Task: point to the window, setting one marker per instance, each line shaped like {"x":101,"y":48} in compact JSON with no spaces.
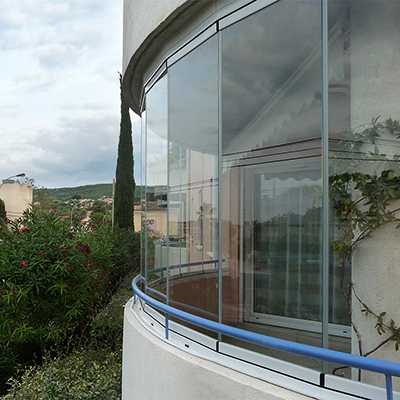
{"x":193,"y":179}
{"x":271,"y":173}
{"x":234,"y":184}
{"x":156,"y":185}
{"x":364,"y":112}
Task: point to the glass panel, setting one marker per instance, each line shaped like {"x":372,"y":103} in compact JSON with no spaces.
{"x":364,"y":134}
{"x":271,"y":178}
{"x":193,"y":183}
{"x":272,"y":57}
{"x":285,"y":245}
{"x":156,"y":186}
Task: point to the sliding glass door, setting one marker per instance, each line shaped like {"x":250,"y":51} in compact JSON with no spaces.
{"x":281,"y":227}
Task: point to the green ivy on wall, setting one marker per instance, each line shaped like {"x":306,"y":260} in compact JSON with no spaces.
{"x":362,"y":203}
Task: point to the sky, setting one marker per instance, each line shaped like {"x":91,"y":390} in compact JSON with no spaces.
{"x":59,"y":90}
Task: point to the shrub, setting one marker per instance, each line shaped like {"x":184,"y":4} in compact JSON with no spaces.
{"x":100,"y":213}
{"x":126,"y":251}
{"x":3,"y":214}
{"x":82,"y":375}
{"x":93,"y":372}
{"x":106,"y":327}
{"x":52,"y":282}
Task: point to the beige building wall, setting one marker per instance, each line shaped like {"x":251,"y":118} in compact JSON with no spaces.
{"x":158,"y":218}
{"x":17,"y":198}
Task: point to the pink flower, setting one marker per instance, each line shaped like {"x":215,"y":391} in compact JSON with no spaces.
{"x":83,"y":248}
{"x":24,"y":264}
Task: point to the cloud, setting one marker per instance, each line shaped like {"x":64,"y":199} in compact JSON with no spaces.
{"x":59,"y":103}
{"x":33,"y":82}
{"x":58,"y":55}
{"x":79,"y":150}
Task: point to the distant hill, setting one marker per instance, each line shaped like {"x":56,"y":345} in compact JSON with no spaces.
{"x":86,"y":192}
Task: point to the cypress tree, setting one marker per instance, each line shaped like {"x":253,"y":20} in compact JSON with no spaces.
{"x":124,"y":182}
{"x":3,"y":214}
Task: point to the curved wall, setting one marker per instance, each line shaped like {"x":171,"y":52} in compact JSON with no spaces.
{"x":168,"y":373}
{"x":153,"y":29}
{"x":232,"y":159}
{"x":141,"y":18}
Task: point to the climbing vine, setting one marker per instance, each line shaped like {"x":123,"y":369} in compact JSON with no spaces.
{"x":362,"y":203}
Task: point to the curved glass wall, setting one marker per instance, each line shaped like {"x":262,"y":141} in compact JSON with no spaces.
{"x":271,"y":172}
{"x":193,"y":180}
{"x":155,"y":221}
{"x":234,"y":177}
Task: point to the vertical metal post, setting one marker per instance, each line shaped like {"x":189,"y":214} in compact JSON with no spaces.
{"x":219,"y":214}
{"x":325,"y":175}
{"x":389,"y":387}
{"x":299,"y":254}
{"x":145,"y":227}
{"x":180,"y":261}
{"x":287,"y":278}
{"x":168,"y":210}
{"x":142,"y":193}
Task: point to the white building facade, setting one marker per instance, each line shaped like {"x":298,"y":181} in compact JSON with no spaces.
{"x":17,"y":198}
{"x":271,"y":144}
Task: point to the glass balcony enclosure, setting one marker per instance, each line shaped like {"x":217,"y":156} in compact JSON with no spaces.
{"x":237,"y":179}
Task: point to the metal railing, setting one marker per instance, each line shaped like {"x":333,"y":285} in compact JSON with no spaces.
{"x":387,"y":368}
{"x":187,"y":265}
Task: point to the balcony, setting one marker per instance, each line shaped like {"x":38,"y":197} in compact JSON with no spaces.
{"x":270,"y":160}
{"x":172,"y":344}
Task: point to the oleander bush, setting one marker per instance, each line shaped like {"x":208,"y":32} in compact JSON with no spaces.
{"x":92,"y":370}
{"x":53,"y":281}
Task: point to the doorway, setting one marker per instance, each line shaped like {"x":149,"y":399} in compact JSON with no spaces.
{"x":281,"y":256}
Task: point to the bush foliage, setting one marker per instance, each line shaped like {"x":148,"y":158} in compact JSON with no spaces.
{"x":3,"y":214}
{"x":92,"y":371}
{"x":53,"y":280}
{"x":82,"y":375}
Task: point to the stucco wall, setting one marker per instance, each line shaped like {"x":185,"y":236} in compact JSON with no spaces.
{"x":17,"y":198}
{"x":153,"y":29}
{"x":154,"y":370}
{"x":141,"y":17}
{"x":375,"y":81}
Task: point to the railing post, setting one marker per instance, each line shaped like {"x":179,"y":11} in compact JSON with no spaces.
{"x":166,"y":326}
{"x":389,"y":387}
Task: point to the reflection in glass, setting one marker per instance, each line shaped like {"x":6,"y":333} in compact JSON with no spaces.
{"x":271,"y":77}
{"x":156,"y":185}
{"x":262,"y":104}
{"x":271,"y":170}
{"x":283,"y":252}
{"x":193,"y":180}
{"x":364,"y":132}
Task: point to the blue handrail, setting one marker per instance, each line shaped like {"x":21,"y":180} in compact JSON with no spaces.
{"x":388,"y":368}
